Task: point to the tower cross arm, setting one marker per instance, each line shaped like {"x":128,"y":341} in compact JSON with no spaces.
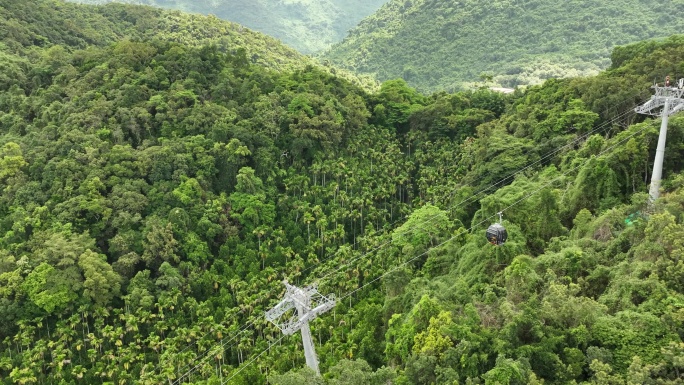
{"x":278,"y":310}
{"x":322,"y":308}
{"x":657,"y":105}
{"x":667,"y":101}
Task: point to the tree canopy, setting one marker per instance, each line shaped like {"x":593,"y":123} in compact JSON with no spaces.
{"x":155,"y":193}
{"x":446,"y":45}
{"x":307,"y":26}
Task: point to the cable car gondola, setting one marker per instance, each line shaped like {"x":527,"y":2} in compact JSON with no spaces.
{"x":496,"y":233}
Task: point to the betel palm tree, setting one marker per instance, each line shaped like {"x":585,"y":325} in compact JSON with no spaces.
{"x":279,"y":236}
{"x":316,"y":169}
{"x":260,"y":232}
{"x":321,"y":227}
{"x":328,"y":168}
{"x":23,"y":375}
{"x":308,"y":218}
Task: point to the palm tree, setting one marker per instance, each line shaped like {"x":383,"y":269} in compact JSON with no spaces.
{"x":308,"y":218}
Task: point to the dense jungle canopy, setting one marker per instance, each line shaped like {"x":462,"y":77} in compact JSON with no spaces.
{"x":154,"y":193}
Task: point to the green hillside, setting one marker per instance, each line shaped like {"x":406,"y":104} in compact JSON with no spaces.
{"x":307,"y":25}
{"x":155,"y":193}
{"x":446,"y":45}
{"x":44,"y":23}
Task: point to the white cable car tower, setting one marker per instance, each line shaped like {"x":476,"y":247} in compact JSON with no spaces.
{"x":667,"y":101}
{"x":299,"y":307}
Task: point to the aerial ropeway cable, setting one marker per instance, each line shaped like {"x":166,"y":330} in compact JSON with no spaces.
{"x":482,"y":192}
{"x":485,"y":220}
{"x":229,"y":341}
{"x":600,"y":128}
{"x":455,"y":236}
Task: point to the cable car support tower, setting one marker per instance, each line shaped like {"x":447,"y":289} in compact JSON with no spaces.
{"x":294,"y":313}
{"x":667,"y":101}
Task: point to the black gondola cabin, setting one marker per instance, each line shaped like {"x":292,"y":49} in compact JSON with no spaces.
{"x":496,"y":234}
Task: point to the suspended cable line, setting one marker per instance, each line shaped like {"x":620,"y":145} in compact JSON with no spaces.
{"x":270,"y":345}
{"x":461,"y":232}
{"x":495,"y":215}
{"x":225,"y":342}
{"x":481,"y":192}
{"x":202,"y":357}
{"x":228,"y":339}
{"x":602,"y":127}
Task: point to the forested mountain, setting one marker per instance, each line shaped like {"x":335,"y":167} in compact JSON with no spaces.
{"x":155,"y":193}
{"x":441,"y":44}
{"x":306,"y":25}
{"x":44,"y":23}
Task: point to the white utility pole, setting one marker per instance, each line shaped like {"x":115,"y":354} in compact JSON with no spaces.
{"x":667,"y":101}
{"x":294,"y":313}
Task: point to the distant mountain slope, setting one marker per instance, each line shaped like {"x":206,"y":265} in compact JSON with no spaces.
{"x":43,"y":23}
{"x":306,"y":25}
{"x":438,"y":44}
{"x":36,"y":22}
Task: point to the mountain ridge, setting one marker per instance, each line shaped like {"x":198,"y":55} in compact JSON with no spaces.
{"x":435,"y":44}
{"x":308,"y":26}
{"x":37,"y":23}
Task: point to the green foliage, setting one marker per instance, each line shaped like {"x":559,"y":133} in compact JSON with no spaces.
{"x":507,"y":372}
{"x":307,"y":26}
{"x":630,"y":334}
{"x":46,"y":290}
{"x":153,"y":195}
{"x":595,"y":189}
{"x":424,"y":229}
{"x":304,"y":376}
{"x":437,"y":45}
{"x":43,"y":23}
{"x":100,"y":283}
{"x":11,"y":162}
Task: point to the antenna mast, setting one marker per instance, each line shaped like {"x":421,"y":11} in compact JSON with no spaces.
{"x":294,"y":313}
{"x":667,"y":101}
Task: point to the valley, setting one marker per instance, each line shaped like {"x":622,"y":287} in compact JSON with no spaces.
{"x":162,"y":174}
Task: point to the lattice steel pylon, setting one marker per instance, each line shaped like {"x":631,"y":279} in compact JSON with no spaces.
{"x":294,"y":313}
{"x":667,"y":101}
